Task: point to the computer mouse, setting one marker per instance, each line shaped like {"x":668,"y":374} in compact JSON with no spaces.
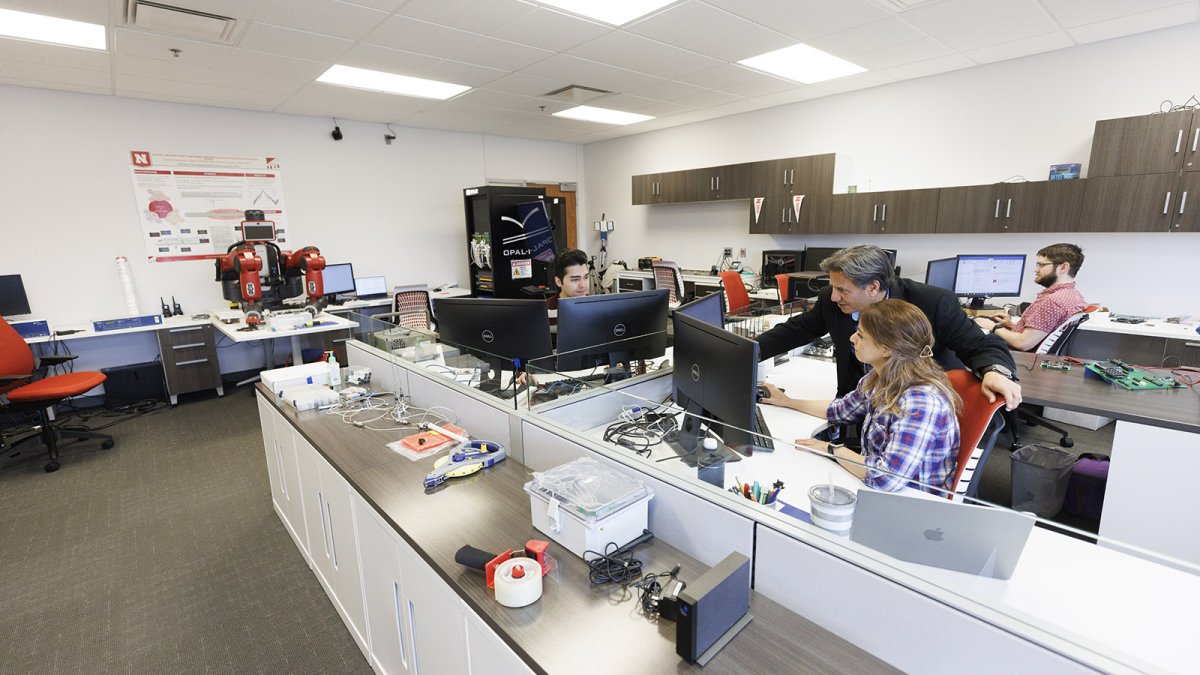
{"x":762,"y":392}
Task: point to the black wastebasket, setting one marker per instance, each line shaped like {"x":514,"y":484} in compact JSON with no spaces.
{"x":1039,"y":479}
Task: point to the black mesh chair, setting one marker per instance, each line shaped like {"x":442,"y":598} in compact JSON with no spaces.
{"x":1055,"y":344}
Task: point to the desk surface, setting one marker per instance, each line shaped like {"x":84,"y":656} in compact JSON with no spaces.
{"x":575,"y":627}
{"x":328,"y":323}
{"x":1102,"y":322}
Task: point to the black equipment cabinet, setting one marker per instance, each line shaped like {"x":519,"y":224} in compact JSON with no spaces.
{"x":521,"y":248}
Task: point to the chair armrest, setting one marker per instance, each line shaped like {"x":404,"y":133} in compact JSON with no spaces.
{"x":5,"y":379}
{"x":56,"y":359}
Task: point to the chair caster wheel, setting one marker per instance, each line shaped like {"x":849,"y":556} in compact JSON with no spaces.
{"x":107,"y":444}
{"x":51,"y":467}
{"x":1067,"y":443}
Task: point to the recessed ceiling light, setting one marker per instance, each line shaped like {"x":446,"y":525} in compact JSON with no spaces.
{"x":41,"y":28}
{"x":615,"y":12}
{"x":588,"y":113}
{"x":803,"y":64}
{"x":390,"y":83}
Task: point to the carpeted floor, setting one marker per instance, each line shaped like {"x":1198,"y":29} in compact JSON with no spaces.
{"x":161,"y":555}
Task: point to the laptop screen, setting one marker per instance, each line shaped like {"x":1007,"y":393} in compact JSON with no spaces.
{"x":366,"y":286}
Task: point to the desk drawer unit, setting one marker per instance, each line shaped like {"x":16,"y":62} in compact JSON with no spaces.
{"x":189,"y":358}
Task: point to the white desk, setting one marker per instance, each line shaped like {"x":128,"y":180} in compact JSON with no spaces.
{"x":328,"y":322}
{"x":86,"y":330}
{"x":1102,"y":322}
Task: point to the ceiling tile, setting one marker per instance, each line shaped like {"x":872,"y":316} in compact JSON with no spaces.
{"x":375,"y":57}
{"x":126,"y":85}
{"x":685,"y":24}
{"x":331,"y":101}
{"x":867,"y":38}
{"x":148,"y":45}
{"x":496,"y":53}
{"x":1018,"y":48}
{"x":401,"y":32}
{"x":42,"y":74}
{"x":191,"y":73}
{"x":1160,"y":18}
{"x":75,"y":10}
{"x":463,"y":73}
{"x":537,"y":131}
{"x":523,"y":84}
{"x":285,"y":42}
{"x":496,"y":99}
{"x":620,"y":79}
{"x":37,"y":52}
{"x":792,"y":96}
{"x":1072,"y":13}
{"x":566,"y":69}
{"x":551,"y":30}
{"x":739,"y":81}
{"x":637,"y":53}
{"x":382,"y":5}
{"x":808,"y":20}
{"x":244,"y":101}
{"x":707,"y":99}
{"x":856,"y":82}
{"x":971,"y":24}
{"x":668,"y":90}
{"x":325,"y":17}
{"x":477,"y":16}
{"x":941,"y":64}
{"x":907,"y":52}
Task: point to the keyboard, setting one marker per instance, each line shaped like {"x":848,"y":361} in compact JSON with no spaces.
{"x":762,"y":441}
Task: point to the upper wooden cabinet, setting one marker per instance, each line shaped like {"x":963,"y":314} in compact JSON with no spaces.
{"x":1157,"y":202}
{"x":895,"y":212}
{"x":811,"y":175}
{"x":778,"y":215}
{"x":1042,"y":206}
{"x":1146,"y":144}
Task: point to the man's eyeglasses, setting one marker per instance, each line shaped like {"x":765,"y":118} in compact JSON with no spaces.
{"x":1043,"y":264}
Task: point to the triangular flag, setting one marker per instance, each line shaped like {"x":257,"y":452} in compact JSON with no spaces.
{"x":757,"y":207}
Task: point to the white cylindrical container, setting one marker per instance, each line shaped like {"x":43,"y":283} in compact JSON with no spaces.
{"x":832,"y":508}
{"x":126,"y":280}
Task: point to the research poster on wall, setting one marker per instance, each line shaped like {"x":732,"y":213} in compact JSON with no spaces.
{"x":191,"y":207}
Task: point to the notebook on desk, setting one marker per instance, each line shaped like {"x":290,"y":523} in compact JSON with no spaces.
{"x":974,"y":539}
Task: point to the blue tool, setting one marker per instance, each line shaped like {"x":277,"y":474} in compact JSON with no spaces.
{"x":468,"y":458}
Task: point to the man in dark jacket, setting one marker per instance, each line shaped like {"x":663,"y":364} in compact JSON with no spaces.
{"x":862,"y":275}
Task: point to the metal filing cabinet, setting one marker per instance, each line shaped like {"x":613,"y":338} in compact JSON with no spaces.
{"x":189,"y":358}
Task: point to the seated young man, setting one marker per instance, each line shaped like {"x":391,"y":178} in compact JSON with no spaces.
{"x":1055,"y":269}
{"x":571,"y":273}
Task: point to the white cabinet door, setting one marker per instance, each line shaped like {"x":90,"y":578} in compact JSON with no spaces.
{"x":308,"y":464}
{"x":266,"y":419}
{"x":436,"y":619}
{"x":284,"y":474}
{"x":383,"y":592}
{"x":346,"y":578}
{"x":489,"y":654}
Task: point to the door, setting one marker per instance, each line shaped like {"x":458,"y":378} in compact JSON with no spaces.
{"x":1129,"y":203}
{"x":343,"y":551}
{"x":973,"y":208}
{"x":1186,"y":211}
{"x":1144,"y":144}
{"x":645,"y":189}
{"x":894,"y":212}
{"x":1042,"y":206}
{"x":383,"y":591}
{"x":568,"y":224}
{"x":435,"y":618}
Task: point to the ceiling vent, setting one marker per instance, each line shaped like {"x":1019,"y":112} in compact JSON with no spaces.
{"x":165,"y":19}
{"x":576,"y":94}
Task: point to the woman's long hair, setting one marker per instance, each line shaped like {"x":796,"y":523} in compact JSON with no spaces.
{"x":901,"y":327}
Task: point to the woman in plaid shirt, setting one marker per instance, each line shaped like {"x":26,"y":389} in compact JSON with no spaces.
{"x":905,"y":404}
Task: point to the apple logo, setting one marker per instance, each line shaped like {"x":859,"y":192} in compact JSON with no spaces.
{"x":934,"y":535}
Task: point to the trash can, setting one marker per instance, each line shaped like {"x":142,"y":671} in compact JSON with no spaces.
{"x":1039,"y":479}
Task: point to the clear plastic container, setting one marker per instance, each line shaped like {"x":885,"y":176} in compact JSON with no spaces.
{"x":585,"y":505}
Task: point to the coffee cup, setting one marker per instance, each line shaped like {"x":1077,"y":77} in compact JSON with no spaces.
{"x":832,"y":508}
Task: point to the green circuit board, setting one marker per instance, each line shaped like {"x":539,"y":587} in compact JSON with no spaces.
{"x":1127,"y":377}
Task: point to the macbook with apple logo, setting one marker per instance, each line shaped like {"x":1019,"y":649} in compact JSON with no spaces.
{"x":963,"y":537}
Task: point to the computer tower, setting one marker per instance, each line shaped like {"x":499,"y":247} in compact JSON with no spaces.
{"x":779,"y":262}
{"x":126,"y":385}
{"x":515,"y":228}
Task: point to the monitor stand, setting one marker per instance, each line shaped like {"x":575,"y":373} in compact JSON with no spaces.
{"x":976,"y":305}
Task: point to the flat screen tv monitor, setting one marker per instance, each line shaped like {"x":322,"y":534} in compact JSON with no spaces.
{"x":988,"y":276}
{"x":942,"y":273}
{"x":610,"y":329}
{"x":338,"y":278}
{"x":779,"y":262}
{"x":13,"y":301}
{"x":813,"y":257}
{"x":370,"y":287}
{"x":506,"y":333}
{"x":714,"y":378}
{"x":708,"y":309}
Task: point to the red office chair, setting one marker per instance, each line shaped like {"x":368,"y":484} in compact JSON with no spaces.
{"x":781,"y":283}
{"x":978,"y":428}
{"x":737,"y":300}
{"x":25,"y":393}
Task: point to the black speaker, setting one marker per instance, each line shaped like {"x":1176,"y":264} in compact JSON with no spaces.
{"x":713,"y":608}
{"x":126,"y":385}
{"x":779,"y":262}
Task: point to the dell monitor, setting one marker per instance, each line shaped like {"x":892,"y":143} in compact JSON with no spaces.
{"x":779,"y":262}
{"x":13,"y":301}
{"x":338,"y":278}
{"x":505,"y":333}
{"x":708,"y":309}
{"x":610,"y":329}
{"x":370,"y":287}
{"x":988,"y":276}
{"x":715,"y":378}
{"x":942,"y":273}
{"x":813,"y":257}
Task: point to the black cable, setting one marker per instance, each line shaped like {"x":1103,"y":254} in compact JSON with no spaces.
{"x":614,"y":565}
{"x":650,"y":590}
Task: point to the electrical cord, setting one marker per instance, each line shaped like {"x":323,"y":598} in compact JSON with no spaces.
{"x":650,"y":593}
{"x":616,"y":564}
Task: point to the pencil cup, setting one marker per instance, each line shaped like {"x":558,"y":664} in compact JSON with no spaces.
{"x":832,"y":508}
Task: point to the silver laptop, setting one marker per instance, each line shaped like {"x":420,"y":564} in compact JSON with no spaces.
{"x":962,"y":537}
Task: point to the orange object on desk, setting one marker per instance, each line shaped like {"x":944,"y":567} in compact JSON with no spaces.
{"x":428,"y":440}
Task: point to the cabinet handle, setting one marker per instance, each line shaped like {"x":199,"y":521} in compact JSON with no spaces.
{"x":1178,"y":141}
{"x":324,"y":529}
{"x":883,"y":216}
{"x":1195,"y":139}
{"x":190,"y":345}
{"x":191,"y":363}
{"x":399,"y":623}
{"x":279,"y":463}
{"x":1191,"y":344}
{"x":1167,"y":203}
{"x":412,"y":634}
{"x":1008,"y":209}
{"x":997,"y":213}
{"x":192,"y":328}
{"x":1182,"y":202}
{"x":791,"y":176}
{"x":332,"y":541}
{"x":783,"y":215}
{"x":875,"y":213}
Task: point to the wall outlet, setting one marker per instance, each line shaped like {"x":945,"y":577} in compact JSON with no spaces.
{"x":742,"y":252}
{"x":728,"y":251}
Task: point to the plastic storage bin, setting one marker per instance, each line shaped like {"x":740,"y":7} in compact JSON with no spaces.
{"x":1039,"y":479}
{"x":584,"y":505}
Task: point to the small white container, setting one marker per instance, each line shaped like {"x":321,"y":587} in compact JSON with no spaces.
{"x":584,"y":505}
{"x":832,"y":510}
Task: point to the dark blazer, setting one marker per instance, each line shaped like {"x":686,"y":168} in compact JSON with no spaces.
{"x":956,"y":338}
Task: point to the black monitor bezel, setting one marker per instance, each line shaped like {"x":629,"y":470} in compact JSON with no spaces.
{"x":587,"y":336}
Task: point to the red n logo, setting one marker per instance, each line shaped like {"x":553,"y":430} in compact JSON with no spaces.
{"x":140,"y":158}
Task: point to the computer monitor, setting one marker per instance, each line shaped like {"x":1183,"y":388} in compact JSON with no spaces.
{"x":13,"y":301}
{"x":715,"y":377}
{"x":942,"y":273}
{"x":610,"y":329}
{"x":369,"y":287}
{"x":708,"y":309}
{"x":338,"y":278}
{"x":779,"y":262}
{"x":988,"y":276}
{"x":499,"y":331}
{"x":813,"y":257}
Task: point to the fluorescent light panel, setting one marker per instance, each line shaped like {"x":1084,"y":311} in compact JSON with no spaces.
{"x":614,"y":12}
{"x":390,"y":83}
{"x":803,"y":64}
{"x":589,"y":113}
{"x":41,"y":28}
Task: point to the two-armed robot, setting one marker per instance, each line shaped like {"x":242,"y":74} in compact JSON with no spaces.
{"x":258,"y":275}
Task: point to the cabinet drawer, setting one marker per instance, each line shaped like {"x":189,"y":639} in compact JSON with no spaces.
{"x":1187,"y":351}
{"x":186,"y":335}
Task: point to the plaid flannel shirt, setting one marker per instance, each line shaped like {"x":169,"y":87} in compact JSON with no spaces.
{"x":921,"y":444}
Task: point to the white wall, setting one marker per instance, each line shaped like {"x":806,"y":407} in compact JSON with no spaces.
{"x":976,"y":126}
{"x":67,"y":202}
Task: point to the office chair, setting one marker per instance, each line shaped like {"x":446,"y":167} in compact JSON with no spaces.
{"x":26,"y":393}
{"x":978,"y":427}
{"x":1054,"y":344}
{"x":668,"y":276}
{"x":737,"y":299}
{"x":781,"y":283}
{"x":411,"y":306}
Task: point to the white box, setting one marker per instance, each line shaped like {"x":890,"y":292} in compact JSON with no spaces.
{"x":585,"y":505}
{"x":1078,"y":419}
{"x":308,"y":373}
{"x":577,"y":535}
